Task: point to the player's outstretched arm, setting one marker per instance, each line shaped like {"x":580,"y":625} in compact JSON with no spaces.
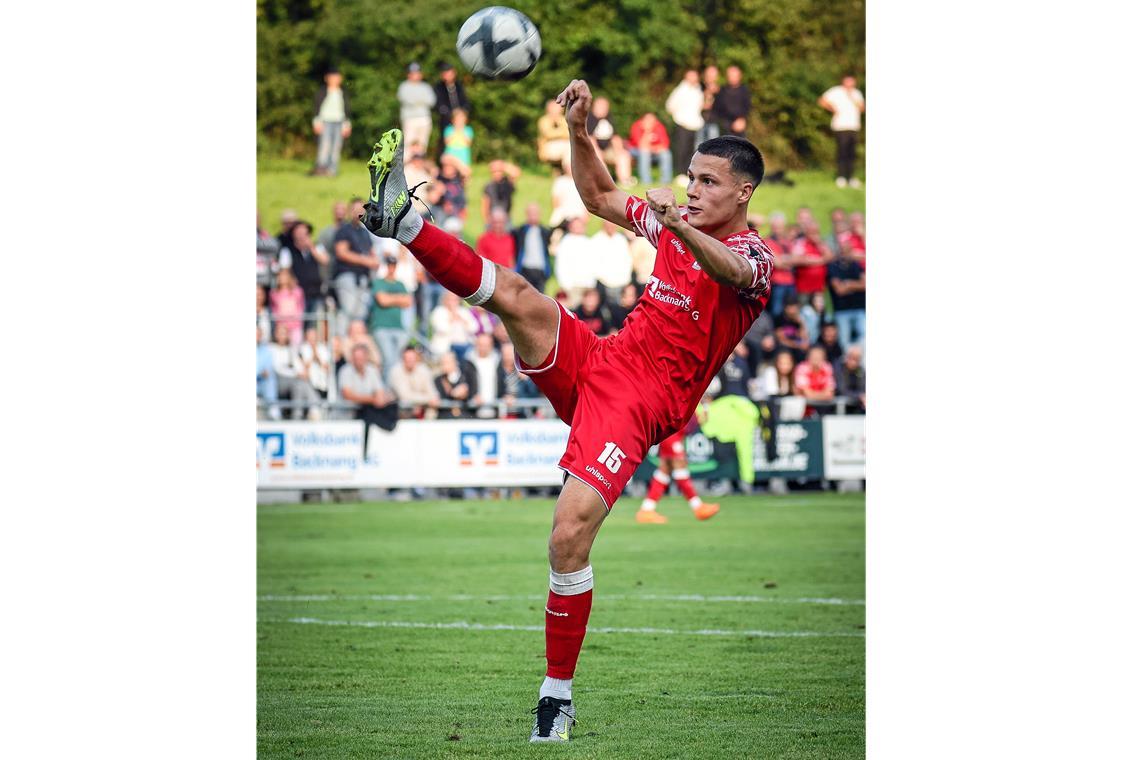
{"x":717,"y":259}
{"x":597,"y":189}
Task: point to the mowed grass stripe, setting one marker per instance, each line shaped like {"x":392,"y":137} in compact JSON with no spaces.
{"x":340,"y":691}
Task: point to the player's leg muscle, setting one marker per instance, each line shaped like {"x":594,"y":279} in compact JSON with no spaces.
{"x":577,"y":517}
{"x":530,"y":317}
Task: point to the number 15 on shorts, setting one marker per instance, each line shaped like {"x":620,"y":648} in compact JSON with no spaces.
{"x":612,"y":457}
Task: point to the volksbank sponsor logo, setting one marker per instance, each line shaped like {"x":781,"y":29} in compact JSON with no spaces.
{"x":303,"y":450}
{"x":478,"y":448}
{"x":665,"y":293}
{"x":271,"y":449}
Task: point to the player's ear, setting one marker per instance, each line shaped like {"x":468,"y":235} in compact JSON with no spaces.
{"x":745,"y":192}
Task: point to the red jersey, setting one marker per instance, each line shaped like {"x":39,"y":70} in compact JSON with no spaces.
{"x":810,"y":278}
{"x":686,"y":324}
{"x":780,"y":275}
{"x":498,"y":248}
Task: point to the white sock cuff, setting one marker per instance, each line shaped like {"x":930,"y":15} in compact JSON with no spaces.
{"x":680,"y":474}
{"x":569,"y":584}
{"x":559,"y":688}
{"x":660,"y":477}
{"x":648,"y":505}
{"x":486,"y":285}
{"x":410,"y":227}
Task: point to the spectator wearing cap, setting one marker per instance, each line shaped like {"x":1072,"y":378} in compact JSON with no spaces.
{"x":331,"y":123}
{"x":500,"y":191}
{"x":449,"y":97}
{"x":305,"y":261}
{"x":288,"y":219}
{"x":532,"y":248}
{"x":497,"y":244}
{"x":385,"y":320}
{"x":417,"y":98}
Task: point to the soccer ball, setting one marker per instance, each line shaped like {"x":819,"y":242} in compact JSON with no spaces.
{"x":499,"y":43}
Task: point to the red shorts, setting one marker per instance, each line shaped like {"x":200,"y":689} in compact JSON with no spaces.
{"x":673,"y":446}
{"x":611,"y":425}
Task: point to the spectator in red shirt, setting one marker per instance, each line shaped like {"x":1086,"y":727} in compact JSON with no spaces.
{"x":811,"y":257}
{"x":814,"y":377}
{"x":855,"y":235}
{"x":649,"y":142}
{"x":496,"y":244}
{"x":783,"y":277}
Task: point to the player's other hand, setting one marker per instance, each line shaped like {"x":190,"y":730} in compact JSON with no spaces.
{"x":576,"y":99}
{"x":664,"y":205}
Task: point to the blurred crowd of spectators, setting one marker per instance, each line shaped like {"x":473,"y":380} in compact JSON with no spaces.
{"x":344,"y":315}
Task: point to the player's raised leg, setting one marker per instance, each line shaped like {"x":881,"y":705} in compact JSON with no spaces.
{"x":577,"y":518}
{"x":531,"y":318}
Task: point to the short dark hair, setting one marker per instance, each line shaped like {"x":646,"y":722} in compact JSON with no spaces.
{"x":742,"y":155}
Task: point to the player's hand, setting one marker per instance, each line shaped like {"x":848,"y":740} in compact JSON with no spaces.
{"x":576,"y":99}
{"x":318,"y":127}
{"x":664,"y":205}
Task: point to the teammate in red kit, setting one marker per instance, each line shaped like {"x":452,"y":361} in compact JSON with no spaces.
{"x":622,"y":393}
{"x":673,"y":466}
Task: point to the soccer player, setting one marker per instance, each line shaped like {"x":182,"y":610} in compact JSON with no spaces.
{"x":673,"y":466}
{"x":619,"y":394}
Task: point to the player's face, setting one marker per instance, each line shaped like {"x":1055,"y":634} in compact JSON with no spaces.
{"x":714,"y":191}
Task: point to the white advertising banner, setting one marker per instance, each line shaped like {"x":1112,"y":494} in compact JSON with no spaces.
{"x":845,"y":447}
{"x":417,"y":453}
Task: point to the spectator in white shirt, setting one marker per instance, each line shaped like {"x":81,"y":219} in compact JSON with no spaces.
{"x":614,"y":261}
{"x":684,"y":105}
{"x":576,"y":262}
{"x":315,"y":362}
{"x":564,"y":199}
{"x":417,"y":98}
{"x":453,"y":326}
{"x":485,"y":359}
{"x":846,"y":105}
{"x":287,"y":367}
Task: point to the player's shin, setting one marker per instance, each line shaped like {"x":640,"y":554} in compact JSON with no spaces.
{"x":685,"y":484}
{"x":567,"y":611}
{"x":453,"y":264}
{"x":657,"y":486}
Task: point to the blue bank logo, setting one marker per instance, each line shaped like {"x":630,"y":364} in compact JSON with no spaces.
{"x":478,"y":448}
{"x":270,"y":450}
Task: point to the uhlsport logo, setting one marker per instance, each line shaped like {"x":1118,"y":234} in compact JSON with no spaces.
{"x":270,"y":450}
{"x":479,"y":448}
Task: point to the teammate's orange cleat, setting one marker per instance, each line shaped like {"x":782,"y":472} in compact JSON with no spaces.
{"x":651,"y":516}
{"x":705,"y":511}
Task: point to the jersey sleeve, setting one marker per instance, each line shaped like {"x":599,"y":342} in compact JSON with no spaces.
{"x":759,"y":258}
{"x":644,"y":221}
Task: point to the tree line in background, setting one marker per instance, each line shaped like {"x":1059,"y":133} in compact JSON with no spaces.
{"x":631,"y":51}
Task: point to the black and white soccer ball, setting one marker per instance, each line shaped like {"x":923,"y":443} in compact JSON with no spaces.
{"x":499,"y":43}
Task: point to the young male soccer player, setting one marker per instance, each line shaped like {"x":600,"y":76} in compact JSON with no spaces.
{"x":619,"y":394}
{"x":673,"y":465}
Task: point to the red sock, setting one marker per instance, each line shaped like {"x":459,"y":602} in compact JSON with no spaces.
{"x":686,"y":486}
{"x":451,"y":261}
{"x":657,"y":487}
{"x":566,"y":618}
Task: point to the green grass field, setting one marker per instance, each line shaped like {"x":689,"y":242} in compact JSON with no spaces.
{"x":283,"y":184}
{"x":414,"y":630}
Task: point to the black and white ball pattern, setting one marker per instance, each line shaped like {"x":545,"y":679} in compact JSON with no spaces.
{"x":499,"y":43}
